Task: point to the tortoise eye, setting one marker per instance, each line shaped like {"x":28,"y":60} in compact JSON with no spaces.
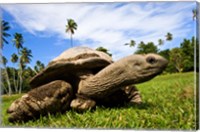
{"x":151,"y":59}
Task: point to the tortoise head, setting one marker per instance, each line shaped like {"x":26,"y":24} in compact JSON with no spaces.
{"x":144,"y":67}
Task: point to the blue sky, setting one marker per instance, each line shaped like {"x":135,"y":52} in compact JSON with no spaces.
{"x":110,"y":25}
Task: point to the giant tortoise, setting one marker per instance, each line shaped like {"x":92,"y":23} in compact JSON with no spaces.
{"x":81,"y":77}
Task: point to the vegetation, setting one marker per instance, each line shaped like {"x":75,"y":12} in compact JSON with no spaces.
{"x":4,"y":27}
{"x":15,"y":79}
{"x":146,"y":48}
{"x":168,"y":103}
{"x":103,"y":50}
{"x":132,"y":43}
{"x":70,"y":28}
{"x":194,"y":12}
{"x":169,"y":37}
{"x":181,"y":59}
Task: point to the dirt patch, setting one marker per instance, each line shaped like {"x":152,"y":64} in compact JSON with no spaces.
{"x":188,"y":92}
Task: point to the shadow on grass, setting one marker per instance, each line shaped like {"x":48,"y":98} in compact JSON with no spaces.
{"x":144,"y":105}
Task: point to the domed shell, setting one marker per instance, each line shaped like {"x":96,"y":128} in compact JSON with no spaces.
{"x":70,"y":64}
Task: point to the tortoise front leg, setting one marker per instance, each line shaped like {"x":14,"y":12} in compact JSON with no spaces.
{"x":133,"y":95}
{"x":82,"y":103}
{"x":128,"y":94}
{"x":49,"y":98}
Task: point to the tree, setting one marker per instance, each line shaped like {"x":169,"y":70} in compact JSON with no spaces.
{"x":18,"y":41}
{"x":169,"y":36}
{"x":26,"y":55}
{"x":70,"y":27}
{"x":194,"y":12}
{"x":131,"y":44}
{"x":176,"y":57}
{"x":197,"y":55}
{"x":187,"y":47}
{"x":165,"y":53}
{"x":39,"y":66}
{"x":143,"y":48}
{"x":160,"y":42}
{"x":4,"y":29}
{"x":14,"y":59}
{"x":28,"y":73}
{"x":7,"y":78}
{"x":25,"y":58}
{"x":103,"y":50}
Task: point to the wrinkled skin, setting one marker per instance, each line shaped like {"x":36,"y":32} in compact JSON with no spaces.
{"x":50,"y":98}
{"x":129,"y":94}
{"x":130,"y":70}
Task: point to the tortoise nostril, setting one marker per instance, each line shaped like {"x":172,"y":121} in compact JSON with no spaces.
{"x":151,"y":59}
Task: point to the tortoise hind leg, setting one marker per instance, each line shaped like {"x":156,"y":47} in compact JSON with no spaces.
{"x":49,"y":98}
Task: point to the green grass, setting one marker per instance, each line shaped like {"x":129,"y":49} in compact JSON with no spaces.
{"x":168,"y":104}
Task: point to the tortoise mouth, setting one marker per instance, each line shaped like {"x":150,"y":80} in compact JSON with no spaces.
{"x":148,"y":74}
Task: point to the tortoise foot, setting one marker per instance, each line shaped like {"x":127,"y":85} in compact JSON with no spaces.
{"x":49,"y":98}
{"x":82,"y":104}
{"x":134,"y":95}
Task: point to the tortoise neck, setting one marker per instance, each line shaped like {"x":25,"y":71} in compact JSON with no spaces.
{"x":107,"y":81}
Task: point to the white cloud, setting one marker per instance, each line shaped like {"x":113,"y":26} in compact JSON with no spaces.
{"x":105,"y":24}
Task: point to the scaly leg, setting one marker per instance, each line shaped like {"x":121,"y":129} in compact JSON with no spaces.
{"x":128,"y":94}
{"x":49,"y":98}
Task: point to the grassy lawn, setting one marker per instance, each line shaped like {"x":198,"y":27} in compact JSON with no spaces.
{"x":168,"y":104}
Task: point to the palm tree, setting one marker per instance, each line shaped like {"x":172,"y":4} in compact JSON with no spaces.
{"x":4,"y":28}
{"x":28,"y":73}
{"x":70,"y":27}
{"x":25,"y":58}
{"x":39,"y":66}
{"x":102,"y":49}
{"x":26,"y":55}
{"x":160,"y":42}
{"x":18,"y":41}
{"x":194,"y":12}
{"x":131,"y":44}
{"x":4,"y":60}
{"x":169,"y":36}
{"x":14,"y":59}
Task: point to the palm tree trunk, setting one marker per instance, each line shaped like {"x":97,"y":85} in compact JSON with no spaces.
{"x":17,"y":83}
{"x":3,"y":88}
{"x":71,"y":40}
{"x":14,"y":81}
{"x":20,"y":79}
{"x":8,"y":82}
